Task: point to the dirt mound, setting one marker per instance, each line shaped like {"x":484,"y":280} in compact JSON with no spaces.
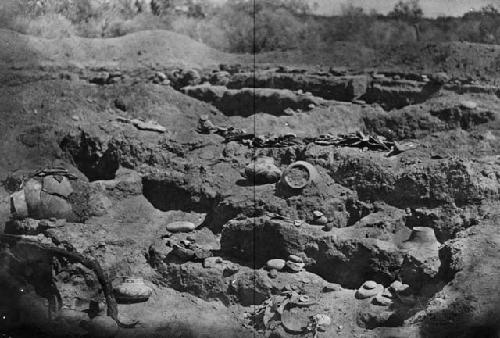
{"x":156,"y":47}
{"x":460,"y":59}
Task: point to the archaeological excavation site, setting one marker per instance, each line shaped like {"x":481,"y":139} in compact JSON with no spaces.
{"x":153,"y":186}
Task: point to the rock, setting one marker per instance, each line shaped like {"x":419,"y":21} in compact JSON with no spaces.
{"x":133,"y":290}
{"x":295,"y":259}
{"x":149,"y":125}
{"x":295,"y":267}
{"x":263,"y":171}
{"x":317,"y":214}
{"x":57,"y":186}
{"x":273,"y":273}
{"x":322,"y":321}
{"x":298,"y":175}
{"x":398,"y":287}
{"x":101,"y":327}
{"x":298,"y":222}
{"x":370,"y":285}
{"x":363,"y":293}
{"x":161,"y":76}
{"x":276,"y":264}
{"x":181,"y":226}
{"x":19,"y":205}
{"x":468,"y":104}
{"x":383,"y":301}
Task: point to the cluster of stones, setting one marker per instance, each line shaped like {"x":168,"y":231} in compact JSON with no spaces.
{"x":293,"y":264}
{"x":380,"y":295}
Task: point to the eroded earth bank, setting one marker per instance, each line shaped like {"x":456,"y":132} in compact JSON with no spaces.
{"x":209,"y":197}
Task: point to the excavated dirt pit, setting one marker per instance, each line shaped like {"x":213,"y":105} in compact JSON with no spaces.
{"x":148,"y":164}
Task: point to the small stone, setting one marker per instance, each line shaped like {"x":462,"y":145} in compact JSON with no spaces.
{"x":369,"y":285}
{"x":161,"y":76}
{"x":295,"y":267}
{"x":273,"y":273}
{"x":380,"y":300}
{"x":322,"y":321}
{"x":75,"y":118}
{"x":133,"y":289}
{"x":181,"y":226}
{"x":276,"y":264}
{"x":317,"y":214}
{"x":397,"y":286}
{"x":323,"y":220}
{"x":468,"y":105}
{"x":295,"y":259}
{"x":298,"y":222}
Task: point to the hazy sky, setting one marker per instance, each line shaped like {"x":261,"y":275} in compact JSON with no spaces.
{"x":430,"y":7}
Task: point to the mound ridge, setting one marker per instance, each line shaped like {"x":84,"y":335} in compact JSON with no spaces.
{"x":146,"y":47}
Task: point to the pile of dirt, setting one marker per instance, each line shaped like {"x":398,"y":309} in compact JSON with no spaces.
{"x":142,"y":48}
